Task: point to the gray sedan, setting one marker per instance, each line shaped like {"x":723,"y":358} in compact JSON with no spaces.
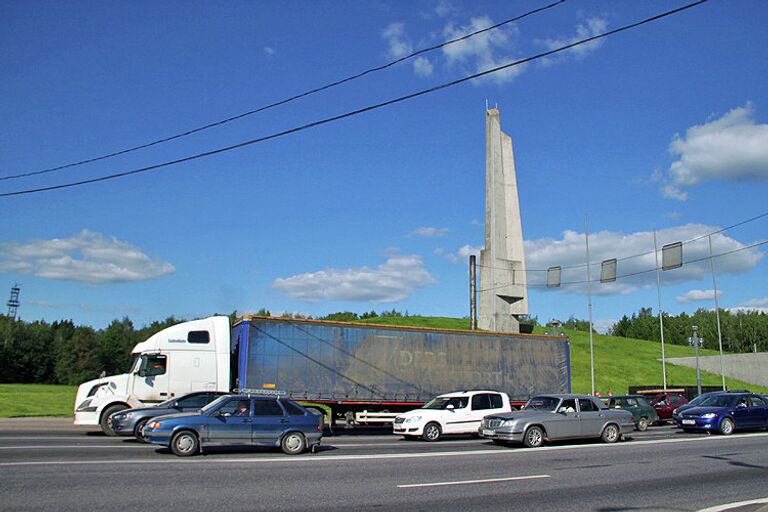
{"x":131,"y":422}
{"x":553,"y":417}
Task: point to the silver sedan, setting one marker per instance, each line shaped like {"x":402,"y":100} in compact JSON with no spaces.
{"x":553,"y":417}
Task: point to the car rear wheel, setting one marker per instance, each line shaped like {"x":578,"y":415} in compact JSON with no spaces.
{"x":611,"y":433}
{"x":642,"y":424}
{"x":293,"y":443}
{"x":726,"y":426}
{"x":138,"y":430}
{"x":534,"y":437}
{"x":104,"y":423}
{"x":432,"y":432}
{"x":185,"y":444}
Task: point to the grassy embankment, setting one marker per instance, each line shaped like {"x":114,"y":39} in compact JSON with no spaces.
{"x":619,"y":363}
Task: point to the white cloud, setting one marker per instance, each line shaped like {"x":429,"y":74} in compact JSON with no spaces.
{"x":759,"y":305}
{"x":392,"y":281}
{"x":638,"y":267}
{"x":482,"y":52}
{"x":732,"y":148}
{"x":591,"y":27}
{"x":430,"y":232}
{"x":399,"y":45}
{"x":269,"y":50}
{"x":87,"y":257}
{"x":422,"y":67}
{"x":462,"y":254}
{"x":698,"y":296}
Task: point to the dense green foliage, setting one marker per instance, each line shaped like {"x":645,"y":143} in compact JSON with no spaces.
{"x":62,"y":353}
{"x":743,"y":331}
{"x":19,"y":400}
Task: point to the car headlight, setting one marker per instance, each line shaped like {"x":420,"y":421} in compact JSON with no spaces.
{"x":507,"y":423}
{"x":154,"y":424}
{"x":708,"y":416}
{"x":412,"y":419}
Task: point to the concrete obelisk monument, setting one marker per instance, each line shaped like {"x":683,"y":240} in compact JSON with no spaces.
{"x":503,"y":289}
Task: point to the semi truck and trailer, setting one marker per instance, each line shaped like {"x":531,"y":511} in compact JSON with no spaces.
{"x":348,"y":372}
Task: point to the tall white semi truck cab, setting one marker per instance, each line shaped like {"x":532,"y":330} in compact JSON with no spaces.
{"x":191,"y":356}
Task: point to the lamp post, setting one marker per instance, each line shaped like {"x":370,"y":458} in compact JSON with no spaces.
{"x":696,"y":342}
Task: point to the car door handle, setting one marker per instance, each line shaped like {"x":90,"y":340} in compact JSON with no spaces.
{"x":246,"y":420}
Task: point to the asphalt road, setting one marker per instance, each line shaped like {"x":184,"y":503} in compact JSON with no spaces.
{"x":51,"y":465}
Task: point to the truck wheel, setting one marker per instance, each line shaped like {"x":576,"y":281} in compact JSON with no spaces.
{"x":185,"y":443}
{"x":534,"y":437}
{"x":293,"y":443}
{"x":138,"y":430}
{"x":611,"y":433}
{"x":642,"y":424}
{"x":104,"y":423}
{"x":726,"y":427}
{"x":432,"y":432}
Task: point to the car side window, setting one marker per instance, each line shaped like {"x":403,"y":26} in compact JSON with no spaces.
{"x":496,"y":401}
{"x":266,"y":408}
{"x":481,"y":402}
{"x":237,"y":407}
{"x":631,"y":402}
{"x":674,"y":399}
{"x":757,"y":401}
{"x":586,"y":405}
{"x":292,"y":409}
{"x":458,"y":402}
{"x":567,"y":405}
{"x":193,"y":402}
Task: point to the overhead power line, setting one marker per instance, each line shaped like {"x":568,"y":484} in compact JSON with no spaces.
{"x":358,"y":111}
{"x":281,"y":102}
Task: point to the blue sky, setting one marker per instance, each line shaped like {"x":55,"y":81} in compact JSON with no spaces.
{"x":663,"y":127}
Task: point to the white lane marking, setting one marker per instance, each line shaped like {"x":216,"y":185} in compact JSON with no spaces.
{"x":736,"y":504}
{"x":58,"y":447}
{"x":466,"y":482}
{"x":384,"y":456}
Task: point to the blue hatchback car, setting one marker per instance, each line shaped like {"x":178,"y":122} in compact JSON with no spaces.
{"x":726,"y":412}
{"x":238,"y":420}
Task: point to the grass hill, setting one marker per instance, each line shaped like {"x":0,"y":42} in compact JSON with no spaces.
{"x":619,"y":362}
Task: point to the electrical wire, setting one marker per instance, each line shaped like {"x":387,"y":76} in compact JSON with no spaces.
{"x":358,"y":111}
{"x":632,"y":274}
{"x":282,"y":102}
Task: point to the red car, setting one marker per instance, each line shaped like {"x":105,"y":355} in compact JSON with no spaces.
{"x":665,"y":403}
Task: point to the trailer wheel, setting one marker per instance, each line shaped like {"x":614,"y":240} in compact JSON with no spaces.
{"x":432,"y":432}
{"x":293,"y":443}
{"x":104,"y":423}
{"x":185,"y":443}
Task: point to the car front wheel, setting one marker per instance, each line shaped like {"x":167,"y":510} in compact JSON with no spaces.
{"x":138,"y":430}
{"x":534,"y":437}
{"x":726,"y":426}
{"x":611,"y":434}
{"x":185,"y":444}
{"x":293,"y":443}
{"x":432,"y":432}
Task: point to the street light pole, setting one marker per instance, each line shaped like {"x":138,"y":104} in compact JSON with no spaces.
{"x":696,"y":341}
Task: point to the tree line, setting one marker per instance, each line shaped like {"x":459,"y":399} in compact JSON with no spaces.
{"x":742,"y":331}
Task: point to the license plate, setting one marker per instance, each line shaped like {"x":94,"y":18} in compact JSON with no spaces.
{"x":689,"y":422}
{"x":487,"y":432}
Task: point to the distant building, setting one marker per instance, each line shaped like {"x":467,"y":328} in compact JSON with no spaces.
{"x":503,"y":290}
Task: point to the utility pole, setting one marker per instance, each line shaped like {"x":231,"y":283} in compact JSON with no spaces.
{"x":472,"y":292}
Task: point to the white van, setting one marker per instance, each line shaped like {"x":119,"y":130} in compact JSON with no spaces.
{"x":452,"y":413}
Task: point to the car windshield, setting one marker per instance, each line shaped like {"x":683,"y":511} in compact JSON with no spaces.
{"x":215,"y":404}
{"x":719,"y":401}
{"x":167,"y":403}
{"x":542,"y":403}
{"x":442,"y":402}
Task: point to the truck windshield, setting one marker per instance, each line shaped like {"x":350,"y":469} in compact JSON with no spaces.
{"x":442,"y":402}
{"x":542,"y":403}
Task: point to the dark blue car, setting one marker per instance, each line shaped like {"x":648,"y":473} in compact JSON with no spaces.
{"x":726,"y":412}
{"x":238,"y":420}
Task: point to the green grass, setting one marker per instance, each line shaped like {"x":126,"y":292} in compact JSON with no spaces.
{"x":20,"y":400}
{"x":619,"y":363}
